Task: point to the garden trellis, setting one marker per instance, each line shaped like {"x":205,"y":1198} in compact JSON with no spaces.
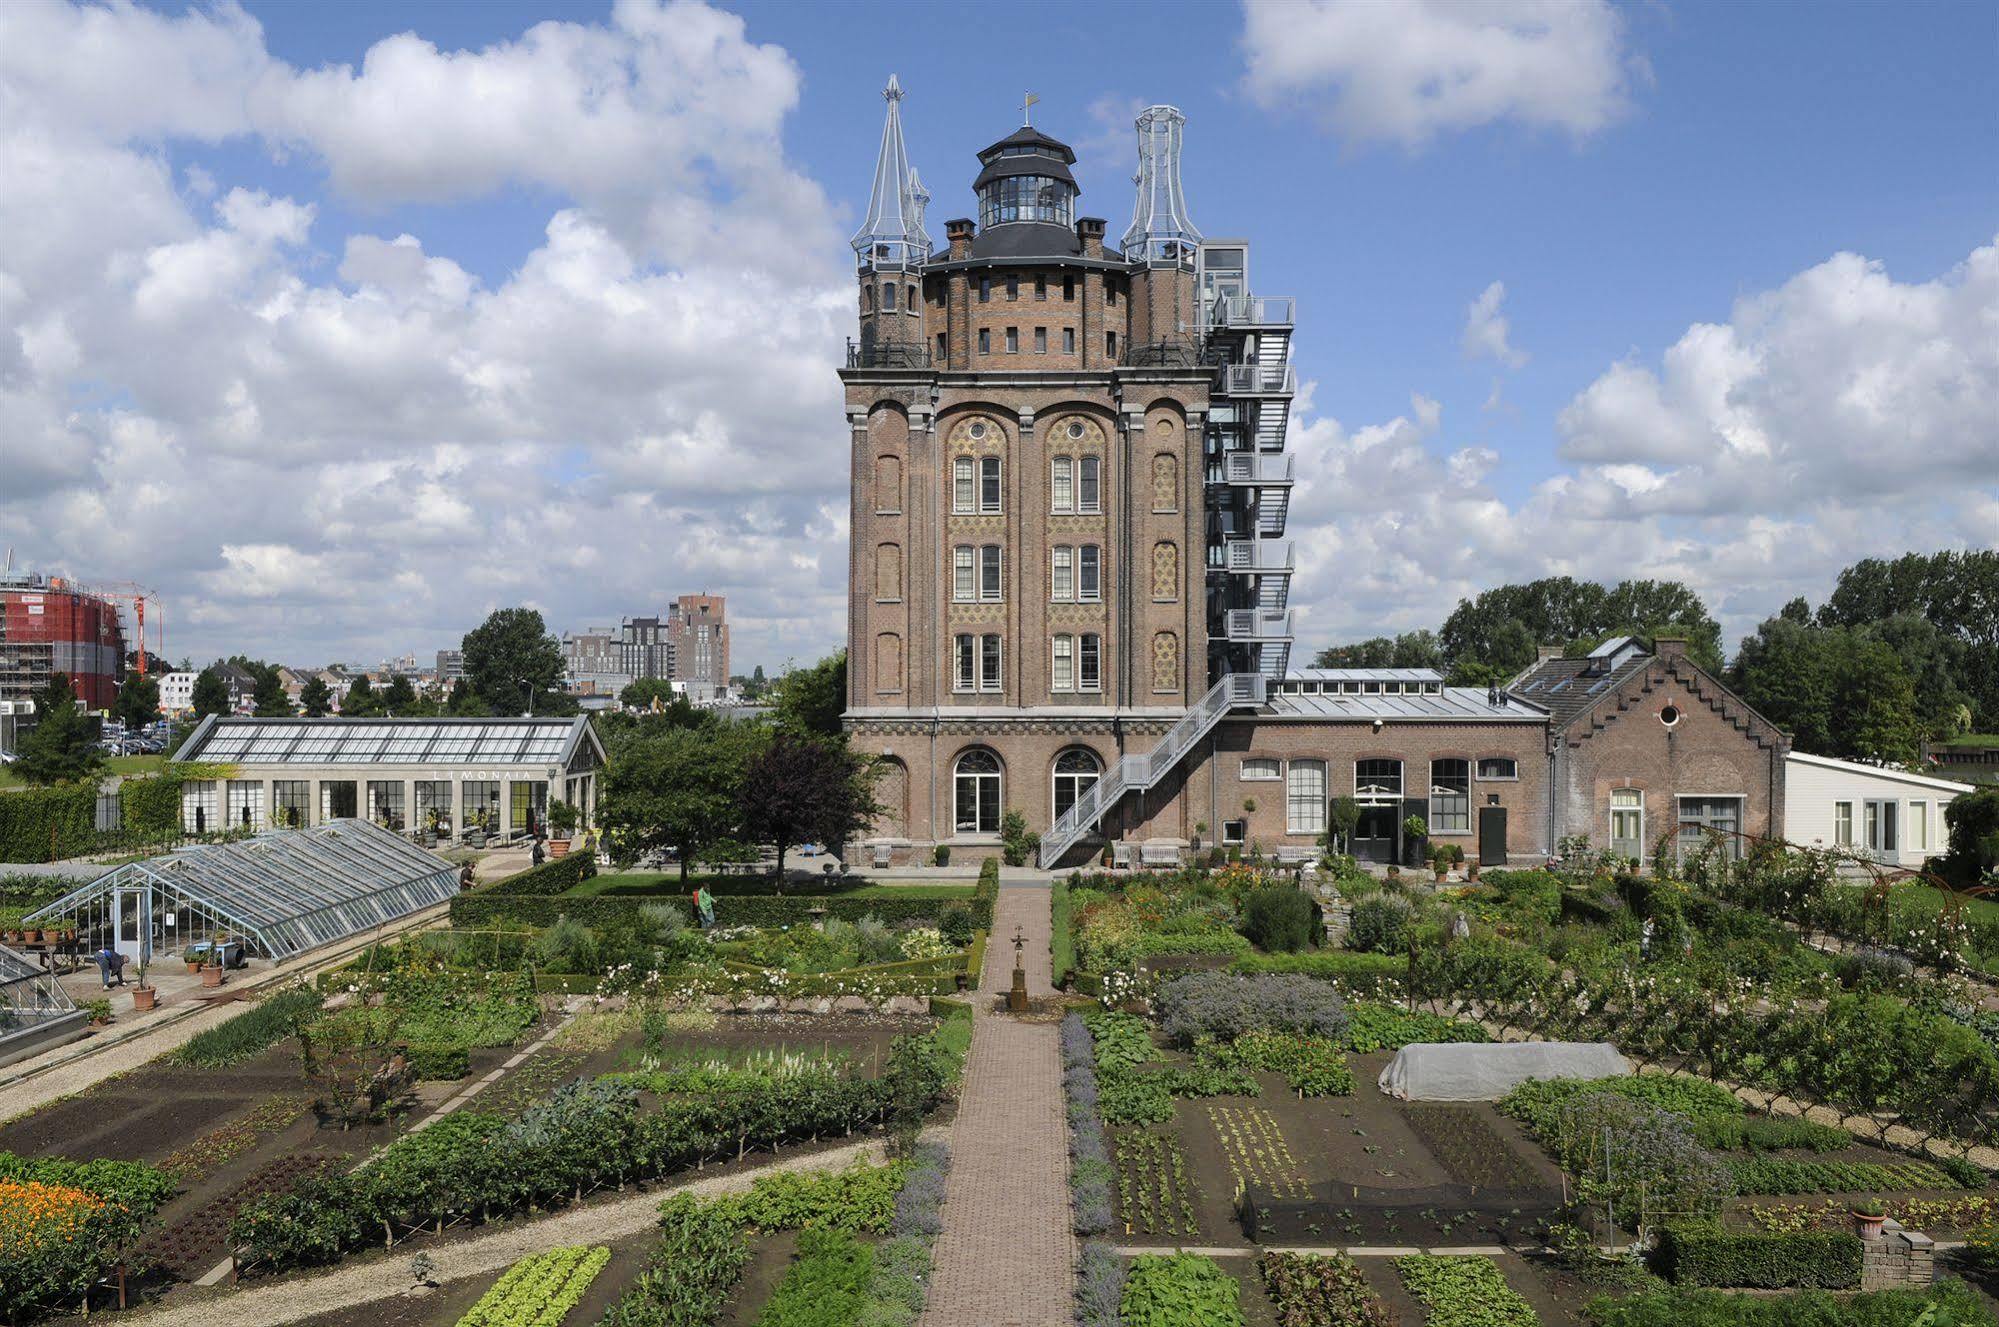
{"x":282,"y":892}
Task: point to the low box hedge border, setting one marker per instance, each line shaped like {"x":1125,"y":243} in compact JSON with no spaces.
{"x":483,"y":907}
{"x":552,"y":877}
{"x":1709,"y":1256}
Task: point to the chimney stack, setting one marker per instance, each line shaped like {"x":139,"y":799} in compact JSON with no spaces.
{"x":1543,"y":653}
{"x":1090,"y":230}
{"x":959,"y":234}
{"x":1670,"y":647}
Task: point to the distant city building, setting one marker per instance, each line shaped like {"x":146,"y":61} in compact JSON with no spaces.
{"x":646,"y":648}
{"x":593,"y":650}
{"x":242,"y":685}
{"x":401,"y":666}
{"x":450,"y":666}
{"x":177,"y":692}
{"x":50,"y":625}
{"x":698,"y":637}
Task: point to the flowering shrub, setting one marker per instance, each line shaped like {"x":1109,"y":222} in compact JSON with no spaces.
{"x":926,"y":942}
{"x":62,"y":1222}
{"x":1225,"y":1005}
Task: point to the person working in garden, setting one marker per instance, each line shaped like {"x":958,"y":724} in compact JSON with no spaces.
{"x":704,"y":903}
{"x":111,"y":967}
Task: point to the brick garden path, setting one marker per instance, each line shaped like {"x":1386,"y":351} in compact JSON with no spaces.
{"x":1006,"y":1257}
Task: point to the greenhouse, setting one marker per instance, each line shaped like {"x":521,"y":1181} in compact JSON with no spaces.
{"x":277,"y":894}
{"x":35,"y":1011}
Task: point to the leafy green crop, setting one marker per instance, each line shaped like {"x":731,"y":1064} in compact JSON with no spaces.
{"x":1180,"y":1290}
{"x":1320,"y":1290}
{"x":825,"y":1286}
{"x":539,"y":1290}
{"x":1464,"y":1292}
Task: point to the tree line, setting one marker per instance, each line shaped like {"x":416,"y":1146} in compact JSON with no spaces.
{"x":1904,"y":650}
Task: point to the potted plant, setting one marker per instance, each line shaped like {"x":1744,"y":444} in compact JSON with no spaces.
{"x":1440,"y":861}
{"x":1200,"y":828}
{"x":1471,"y":869}
{"x":941,"y":855}
{"x":1869,"y":1216}
{"x":562,"y":820}
{"x":98,"y":1010}
{"x":1415,"y":836}
{"x":144,"y":997}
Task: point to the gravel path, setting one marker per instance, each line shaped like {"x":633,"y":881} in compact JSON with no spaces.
{"x":279,"y":1302}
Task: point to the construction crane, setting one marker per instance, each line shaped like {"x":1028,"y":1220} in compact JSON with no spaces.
{"x":137,"y":595}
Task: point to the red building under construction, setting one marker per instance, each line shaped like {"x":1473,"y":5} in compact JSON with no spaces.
{"x":47,"y":624}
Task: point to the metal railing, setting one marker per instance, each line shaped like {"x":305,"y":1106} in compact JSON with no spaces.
{"x":1259,"y":555}
{"x":1162,"y":354}
{"x":886,"y":355}
{"x":1138,"y":772}
{"x":1256,"y":468}
{"x":1252,"y":311}
{"x":1259,"y":380}
{"x":1256,"y":624}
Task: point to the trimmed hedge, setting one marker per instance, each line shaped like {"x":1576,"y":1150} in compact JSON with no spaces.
{"x":552,"y":877}
{"x":483,"y":907}
{"x":1947,"y":1304}
{"x":1706,"y":1255}
{"x":48,"y":824}
{"x":1364,"y":973}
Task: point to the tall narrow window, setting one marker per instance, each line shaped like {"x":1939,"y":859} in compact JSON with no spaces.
{"x":1090,"y":662}
{"x":1068,"y":287}
{"x":1881,"y":827}
{"x":1041,"y":340}
{"x":1165,"y":482}
{"x":1089,"y":494}
{"x":888,"y":298}
{"x":1012,"y":286}
{"x":1041,"y":287}
{"x":909,"y":298}
{"x":985,"y":340}
{"x":964,"y":484}
{"x":966,"y":675}
{"x":1062,"y":673}
{"x":1089,"y":573}
{"x":1013,"y":340}
{"x":1627,"y":821}
{"x":989,"y":484}
{"x":1919,"y":826}
{"x":888,"y":662}
{"x":1305,"y":797}
{"x":888,"y":572}
{"x":1062,"y":573}
{"x":888,"y":484}
{"x":989,"y":573}
{"x":1842,"y":824}
{"x":1110,"y":344}
{"x":964,"y":577}
{"x":942,"y":348}
{"x":1076,"y":771}
{"x":985,"y":290}
{"x":989,"y":663}
{"x":1110,"y":291}
{"x":1062,"y":484}
{"x":1450,"y":796}
{"x":1068,"y":340}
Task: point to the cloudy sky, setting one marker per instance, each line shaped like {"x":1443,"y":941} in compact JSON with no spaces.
{"x":340,"y":325}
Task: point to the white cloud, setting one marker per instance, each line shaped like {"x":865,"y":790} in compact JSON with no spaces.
{"x":312,"y":453}
{"x":1842,"y":415}
{"x":1487,"y":330}
{"x":1406,"y":72}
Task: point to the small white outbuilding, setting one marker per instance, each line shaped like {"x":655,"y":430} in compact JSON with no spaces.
{"x":1460,"y":1071}
{"x":1876,"y":811}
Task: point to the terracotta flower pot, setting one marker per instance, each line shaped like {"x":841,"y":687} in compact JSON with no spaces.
{"x":211,"y":976}
{"x":144,"y":998}
{"x":1867,"y":1226}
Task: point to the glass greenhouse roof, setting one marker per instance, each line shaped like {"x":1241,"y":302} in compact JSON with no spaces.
{"x":243,"y":741}
{"x":287,"y":890}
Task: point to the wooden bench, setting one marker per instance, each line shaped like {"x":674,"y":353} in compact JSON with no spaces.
{"x":1291,"y":855}
{"x":1158,"y":854}
{"x":881,"y":853}
{"x":1121,"y":856}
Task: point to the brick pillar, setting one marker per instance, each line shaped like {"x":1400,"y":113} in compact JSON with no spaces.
{"x":1898,"y":1260}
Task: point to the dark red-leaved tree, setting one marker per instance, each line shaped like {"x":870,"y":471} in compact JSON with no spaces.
{"x":801,"y":789}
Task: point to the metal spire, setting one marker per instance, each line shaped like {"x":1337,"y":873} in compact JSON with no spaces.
{"x":919,"y":203}
{"x":891,"y":234}
{"x":1161,"y":231}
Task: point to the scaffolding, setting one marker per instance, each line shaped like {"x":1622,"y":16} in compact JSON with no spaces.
{"x":280,"y":893}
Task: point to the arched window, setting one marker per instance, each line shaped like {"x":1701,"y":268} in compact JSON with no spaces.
{"x":1165,"y":572}
{"x":1076,"y":770}
{"x":888,"y":572}
{"x":888,"y":662}
{"x":976,"y":783}
{"x":1305,"y":797}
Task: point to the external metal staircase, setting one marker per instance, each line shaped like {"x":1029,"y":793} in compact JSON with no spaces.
{"x":1136,"y":773}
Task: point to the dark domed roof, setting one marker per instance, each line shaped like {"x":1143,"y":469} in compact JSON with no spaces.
{"x":1029,"y":136}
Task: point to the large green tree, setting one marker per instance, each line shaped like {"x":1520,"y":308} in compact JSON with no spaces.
{"x":362,"y":701}
{"x":269,"y":698}
{"x":1956,"y":591}
{"x":62,"y":746}
{"x":804,"y":789}
{"x":515,"y":665}
{"x":399,"y":697}
{"x":677,"y":788}
{"x":211,"y":693}
{"x":1500,"y":628}
{"x":315,"y":697}
{"x":641,"y":692}
{"x":811,"y":700}
{"x":1411,"y":649}
{"x":1839,"y":692}
{"x":138,"y":702}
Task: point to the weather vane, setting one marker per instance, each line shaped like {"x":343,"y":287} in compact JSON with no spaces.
{"x":1026,"y":106}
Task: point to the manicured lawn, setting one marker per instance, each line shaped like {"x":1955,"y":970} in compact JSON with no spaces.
{"x":1984,"y":909}
{"x":115,"y":765}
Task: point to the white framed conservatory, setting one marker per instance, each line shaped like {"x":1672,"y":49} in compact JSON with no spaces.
{"x":35,"y":1011}
{"x":279,"y":893}
{"x":437,"y":780}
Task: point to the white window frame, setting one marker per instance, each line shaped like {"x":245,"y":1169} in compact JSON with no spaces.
{"x":1089,"y":662}
{"x":992,"y":662}
{"x":1062,"y":485}
{"x":1079,"y":781}
{"x":1842,"y":823}
{"x":964,"y":484}
{"x":1089,"y":574}
{"x":1882,"y":817}
{"x":992,"y":574}
{"x":964,"y":574}
{"x":1090,"y":486}
{"x":1062,"y":574}
{"x":1062,"y":663}
{"x":1916,"y":829}
{"x":1437,"y":796}
{"x":965,"y":666}
{"x":985,"y":798}
{"x":992,"y":475}
{"x":1253,"y":769}
{"x":1480,"y":776}
{"x":1303,"y":813}
{"x":1734,"y":841}
{"x":1616,"y":811}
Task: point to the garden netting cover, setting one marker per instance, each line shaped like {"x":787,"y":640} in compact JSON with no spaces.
{"x":1464,"y":1072}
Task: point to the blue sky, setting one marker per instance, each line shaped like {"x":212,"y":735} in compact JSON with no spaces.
{"x":1667,"y":168}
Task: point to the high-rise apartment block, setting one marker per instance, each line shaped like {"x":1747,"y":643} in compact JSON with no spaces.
{"x":699,"y":637}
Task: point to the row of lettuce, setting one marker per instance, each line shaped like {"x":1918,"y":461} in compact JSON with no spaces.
{"x":1696,"y":972}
